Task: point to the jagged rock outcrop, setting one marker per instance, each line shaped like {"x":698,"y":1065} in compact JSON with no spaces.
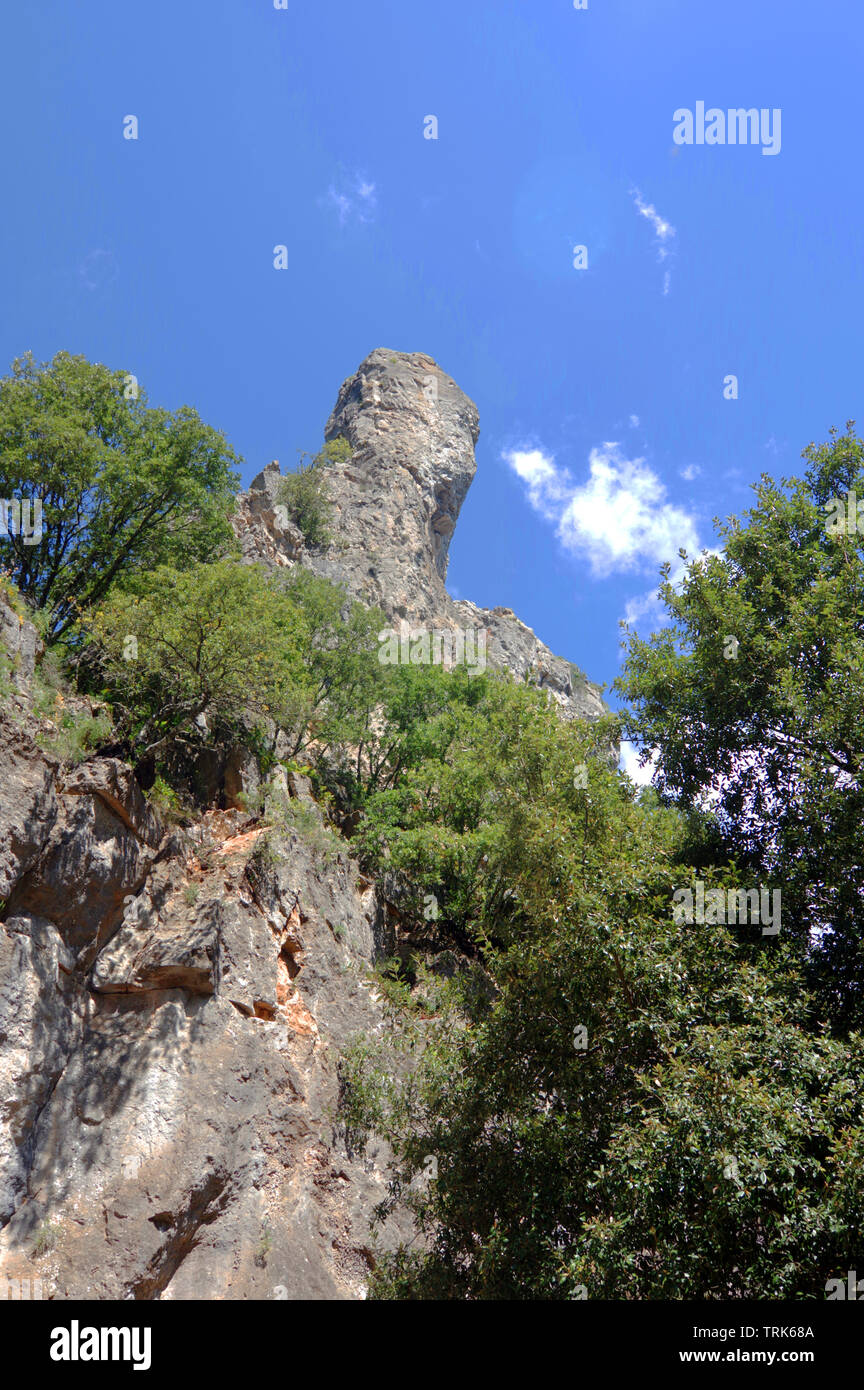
{"x":172,"y":1009}
{"x":395,"y":504}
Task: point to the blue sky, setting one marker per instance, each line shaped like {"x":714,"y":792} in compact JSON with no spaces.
{"x":606,"y":441}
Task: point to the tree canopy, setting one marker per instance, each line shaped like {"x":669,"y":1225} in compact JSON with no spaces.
{"x":753,"y":697}
{"x":122,"y":485}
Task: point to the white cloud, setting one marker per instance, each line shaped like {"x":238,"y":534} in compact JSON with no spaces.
{"x":352,"y":197}
{"x":619,"y":518}
{"x":646,"y":611}
{"x":664,"y":232}
{"x":690,"y":472}
{"x":634,"y":422}
{"x":548,"y":488}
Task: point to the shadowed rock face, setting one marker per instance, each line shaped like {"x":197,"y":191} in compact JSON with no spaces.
{"x":395,"y":504}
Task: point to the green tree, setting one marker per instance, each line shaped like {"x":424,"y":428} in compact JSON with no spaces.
{"x":459,"y":746}
{"x":753,"y":699}
{"x":368,"y":722}
{"x":122,"y":485}
{"x":204,"y":654}
{"x":646,"y":1108}
{"x":217,"y":651}
{"x":338,"y":638}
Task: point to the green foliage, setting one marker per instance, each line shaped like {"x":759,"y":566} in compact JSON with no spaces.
{"x":167,"y":802}
{"x":123,"y":486}
{"x":377,"y":1092}
{"x":647,"y":1109}
{"x":336,"y":450}
{"x":199,"y":655}
{"x":268,"y":852}
{"x":46,"y":1238}
{"x":396,"y":717}
{"x":469,"y":773}
{"x":79,"y":729}
{"x":774,"y":733}
{"x":737,"y":1173}
{"x":86,"y":733}
{"x":7,"y":688}
{"x":264,"y":1247}
{"x":337,"y":639}
{"x":704,"y":1140}
{"x":11,"y":596}
{"x":364,"y":1081}
{"x":391,"y":981}
{"x":50,"y":687}
{"x":78,"y":734}
{"x":304,"y":493}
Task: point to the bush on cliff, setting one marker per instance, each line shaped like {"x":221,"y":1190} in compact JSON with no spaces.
{"x":227,"y":653}
{"x":304,"y":493}
{"x":190,"y":655}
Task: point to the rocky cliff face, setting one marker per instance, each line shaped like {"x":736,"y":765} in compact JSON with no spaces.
{"x":395,"y":505}
{"x":172,"y":1007}
{"x":173,"y":1003}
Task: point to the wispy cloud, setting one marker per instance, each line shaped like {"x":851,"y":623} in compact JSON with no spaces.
{"x":691,"y":471}
{"x":664,"y":233}
{"x":353,"y":198}
{"x":98,"y":269}
{"x":646,"y":610}
{"x":663,"y":230}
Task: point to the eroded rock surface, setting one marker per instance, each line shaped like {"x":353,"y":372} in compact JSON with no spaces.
{"x":172,"y":1008}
